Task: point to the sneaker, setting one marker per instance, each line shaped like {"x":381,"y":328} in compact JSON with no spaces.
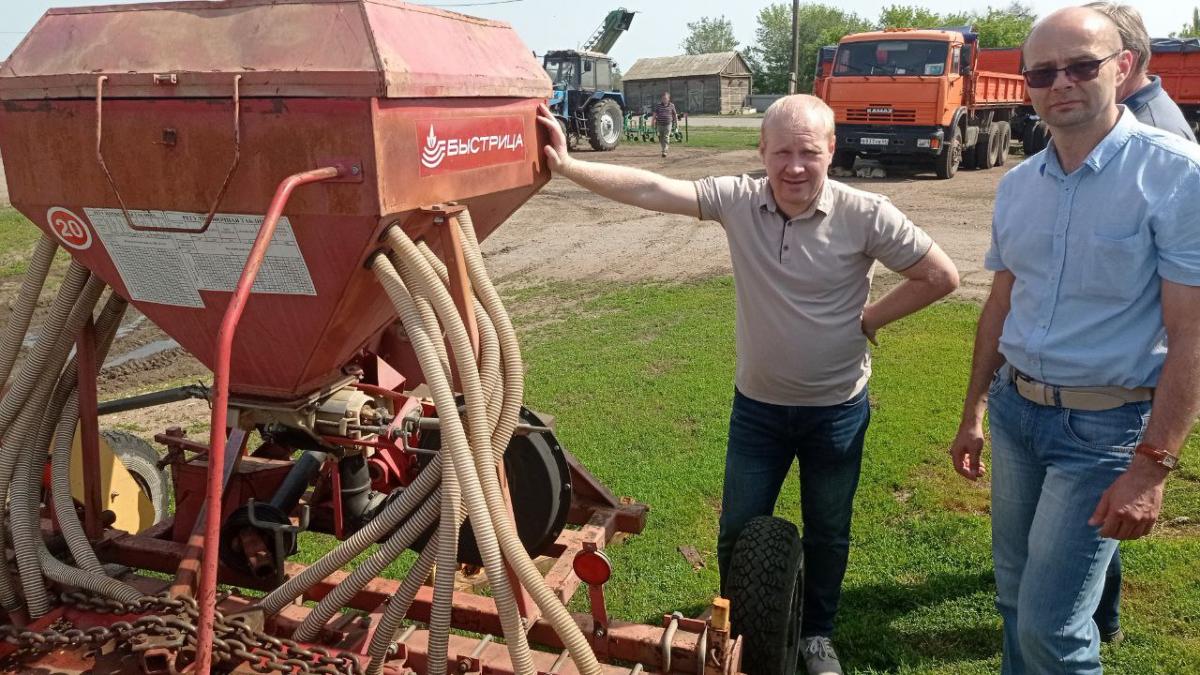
{"x":664,"y":153}
{"x":1114,"y":638}
{"x":819,"y":657}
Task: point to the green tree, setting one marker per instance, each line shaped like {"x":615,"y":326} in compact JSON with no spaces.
{"x":1190,"y":29}
{"x":909,"y":16}
{"x":771,"y":56}
{"x":708,"y":36}
{"x":997,"y":27}
{"x":1006,"y":27}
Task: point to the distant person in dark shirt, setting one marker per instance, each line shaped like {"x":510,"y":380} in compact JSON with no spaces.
{"x":665,"y":117}
{"x":1143,"y":93}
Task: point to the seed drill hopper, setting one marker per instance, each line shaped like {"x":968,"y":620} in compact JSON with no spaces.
{"x":294,"y":191}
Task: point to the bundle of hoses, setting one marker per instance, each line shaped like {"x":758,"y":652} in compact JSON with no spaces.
{"x":463,"y":480}
{"x":41,"y":407}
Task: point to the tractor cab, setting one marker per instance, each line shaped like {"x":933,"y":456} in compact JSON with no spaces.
{"x":584,"y":100}
{"x":586,"y":71}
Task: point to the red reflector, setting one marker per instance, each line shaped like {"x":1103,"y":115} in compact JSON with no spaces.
{"x":935,"y":143}
{"x":592,"y":567}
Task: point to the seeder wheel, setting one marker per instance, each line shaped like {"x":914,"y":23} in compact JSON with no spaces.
{"x":766,"y":594}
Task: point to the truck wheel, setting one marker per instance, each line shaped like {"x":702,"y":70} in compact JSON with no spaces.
{"x":766,"y":594}
{"x":1037,"y":137}
{"x":946,"y":164}
{"x":1027,"y":141}
{"x":1003,"y":134}
{"x":844,"y":159}
{"x":984,"y":150}
{"x":604,"y":125}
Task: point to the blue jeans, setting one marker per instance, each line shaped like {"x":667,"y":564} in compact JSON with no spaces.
{"x":828,"y":442}
{"x":1108,"y":613}
{"x":1050,"y":465}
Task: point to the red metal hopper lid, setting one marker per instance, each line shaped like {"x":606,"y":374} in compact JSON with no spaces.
{"x":326,"y":48}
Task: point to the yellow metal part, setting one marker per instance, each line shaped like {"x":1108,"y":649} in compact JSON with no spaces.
{"x":119,"y":492}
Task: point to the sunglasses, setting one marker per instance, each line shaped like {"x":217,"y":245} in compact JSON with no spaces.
{"x":1080,"y":71}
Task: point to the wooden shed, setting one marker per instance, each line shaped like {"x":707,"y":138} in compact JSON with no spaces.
{"x":699,"y":83}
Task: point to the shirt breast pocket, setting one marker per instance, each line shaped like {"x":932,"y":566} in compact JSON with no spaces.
{"x":1116,"y":268}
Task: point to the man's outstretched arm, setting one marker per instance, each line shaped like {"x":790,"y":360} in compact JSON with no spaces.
{"x":624,"y":184}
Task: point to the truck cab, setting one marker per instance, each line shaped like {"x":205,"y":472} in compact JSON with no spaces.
{"x":916,"y":96}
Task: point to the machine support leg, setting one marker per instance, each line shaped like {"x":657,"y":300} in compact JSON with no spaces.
{"x":89,"y":428}
{"x":216,"y":455}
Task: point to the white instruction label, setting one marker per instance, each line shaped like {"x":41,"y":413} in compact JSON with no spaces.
{"x":172,"y":263}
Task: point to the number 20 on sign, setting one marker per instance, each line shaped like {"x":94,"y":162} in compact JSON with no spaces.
{"x":70,"y":229}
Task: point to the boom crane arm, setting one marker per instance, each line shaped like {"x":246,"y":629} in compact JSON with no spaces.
{"x":603,"y":39}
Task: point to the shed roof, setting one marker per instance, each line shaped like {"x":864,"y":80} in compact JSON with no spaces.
{"x":685,"y":65}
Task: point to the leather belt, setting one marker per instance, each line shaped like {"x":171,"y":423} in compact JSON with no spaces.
{"x":1077,"y":398}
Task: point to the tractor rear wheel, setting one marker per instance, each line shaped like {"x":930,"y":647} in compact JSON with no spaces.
{"x":604,"y":125}
{"x":766,"y":594}
{"x":140,"y":459}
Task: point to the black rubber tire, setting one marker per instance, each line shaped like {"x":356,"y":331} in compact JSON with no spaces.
{"x":1002,"y":134}
{"x":765,"y":587}
{"x":1036,"y":138}
{"x":1027,"y":141}
{"x":983,"y":149}
{"x":1005,"y":143}
{"x":605,"y":123}
{"x":141,"y":459}
{"x":947,"y":163}
{"x":844,"y":159}
{"x":968,"y":159}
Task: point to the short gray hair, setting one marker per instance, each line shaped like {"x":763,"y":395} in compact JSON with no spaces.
{"x":795,"y":107}
{"x":1131,"y":28}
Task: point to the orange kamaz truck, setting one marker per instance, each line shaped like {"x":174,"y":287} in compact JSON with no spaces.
{"x":921,"y":97}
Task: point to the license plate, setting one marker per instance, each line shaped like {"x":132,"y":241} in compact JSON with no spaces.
{"x":873,"y":141}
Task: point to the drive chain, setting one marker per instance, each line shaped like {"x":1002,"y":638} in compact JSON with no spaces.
{"x":175,"y":619}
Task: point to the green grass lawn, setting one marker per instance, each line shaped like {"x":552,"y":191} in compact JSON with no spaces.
{"x":640,"y":379}
{"x":722,"y":138}
{"x":17,"y":237}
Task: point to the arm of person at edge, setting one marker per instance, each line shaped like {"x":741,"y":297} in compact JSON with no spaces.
{"x":928,"y":280}
{"x":624,"y":184}
{"x":967,"y":449}
{"x":1130,"y":506}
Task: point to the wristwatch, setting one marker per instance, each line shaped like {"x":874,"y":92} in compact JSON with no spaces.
{"x":1161,"y":457}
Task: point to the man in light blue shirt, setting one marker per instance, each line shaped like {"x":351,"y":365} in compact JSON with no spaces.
{"x":1096,"y":254}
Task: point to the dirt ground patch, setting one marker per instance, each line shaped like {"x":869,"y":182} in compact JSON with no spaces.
{"x":568,"y":233}
{"x":565,"y":233}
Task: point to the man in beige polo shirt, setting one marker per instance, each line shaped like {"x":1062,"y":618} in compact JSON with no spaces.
{"x":802,"y":248}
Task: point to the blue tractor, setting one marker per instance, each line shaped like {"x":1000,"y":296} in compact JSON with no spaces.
{"x":585,"y":101}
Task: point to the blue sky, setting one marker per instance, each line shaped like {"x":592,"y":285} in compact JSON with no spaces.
{"x":657,"y":30}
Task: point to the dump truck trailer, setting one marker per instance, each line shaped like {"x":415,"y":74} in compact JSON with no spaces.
{"x":1176,"y":61}
{"x":920,"y":97}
